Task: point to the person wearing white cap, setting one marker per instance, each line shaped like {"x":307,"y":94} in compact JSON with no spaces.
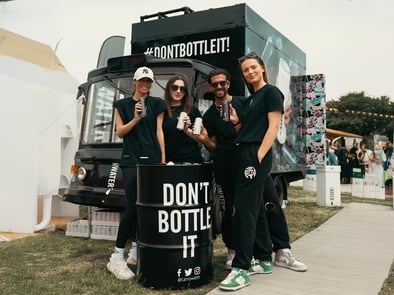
{"x":143,"y":72}
{"x":143,"y":143}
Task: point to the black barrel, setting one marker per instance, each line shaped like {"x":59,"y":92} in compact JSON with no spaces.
{"x":174,"y":211}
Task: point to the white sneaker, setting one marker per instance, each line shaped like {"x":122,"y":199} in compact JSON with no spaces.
{"x":118,"y":266}
{"x":235,"y":280}
{"x":132,"y":259}
{"x":230,"y":257}
{"x":284,"y":258}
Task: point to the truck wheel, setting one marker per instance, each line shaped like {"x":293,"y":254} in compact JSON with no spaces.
{"x":281,"y":187}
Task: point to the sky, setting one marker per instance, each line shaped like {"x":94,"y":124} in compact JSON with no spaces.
{"x":350,"y":41}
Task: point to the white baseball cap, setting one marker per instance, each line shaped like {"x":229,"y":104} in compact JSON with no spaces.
{"x":143,"y":72}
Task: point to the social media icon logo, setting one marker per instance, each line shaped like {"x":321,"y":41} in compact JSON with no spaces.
{"x":188,"y":272}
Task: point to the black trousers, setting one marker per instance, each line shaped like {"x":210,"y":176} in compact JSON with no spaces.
{"x":224,"y":170}
{"x":223,"y":165}
{"x":250,"y":227}
{"x":128,"y":221}
{"x":276,"y":218}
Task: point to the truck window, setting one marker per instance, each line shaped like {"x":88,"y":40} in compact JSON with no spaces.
{"x":203,"y":94}
{"x":99,"y":114}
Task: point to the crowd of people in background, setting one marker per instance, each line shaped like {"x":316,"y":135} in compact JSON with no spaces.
{"x":358,"y":156}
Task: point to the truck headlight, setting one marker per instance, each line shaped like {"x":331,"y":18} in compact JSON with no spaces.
{"x":81,"y":174}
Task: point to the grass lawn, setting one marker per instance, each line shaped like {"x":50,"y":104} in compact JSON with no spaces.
{"x":52,"y":263}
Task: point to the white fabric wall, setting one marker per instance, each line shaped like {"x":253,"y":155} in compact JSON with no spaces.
{"x":36,"y":105}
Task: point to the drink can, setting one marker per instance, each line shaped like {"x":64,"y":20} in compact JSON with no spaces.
{"x":143,"y":109}
{"x":225,"y":111}
{"x":181,"y":123}
{"x":197,"y":126}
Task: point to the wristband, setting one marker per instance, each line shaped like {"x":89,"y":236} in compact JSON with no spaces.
{"x":237,"y":124}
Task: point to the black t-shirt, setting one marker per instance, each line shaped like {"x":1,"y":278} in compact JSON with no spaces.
{"x":140,"y":145}
{"x":224,"y":131}
{"x":179,"y":146}
{"x":254,"y":113}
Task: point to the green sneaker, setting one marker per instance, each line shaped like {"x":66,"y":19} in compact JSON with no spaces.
{"x":258,"y":267}
{"x":235,"y":280}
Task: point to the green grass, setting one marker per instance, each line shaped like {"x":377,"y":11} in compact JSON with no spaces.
{"x":53,"y":263}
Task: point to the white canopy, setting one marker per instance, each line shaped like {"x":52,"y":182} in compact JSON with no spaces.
{"x":38,"y":128}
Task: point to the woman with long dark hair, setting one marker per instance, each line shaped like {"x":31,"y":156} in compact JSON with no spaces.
{"x":180,"y":143}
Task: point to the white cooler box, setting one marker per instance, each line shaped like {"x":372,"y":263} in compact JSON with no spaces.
{"x":328,"y":185}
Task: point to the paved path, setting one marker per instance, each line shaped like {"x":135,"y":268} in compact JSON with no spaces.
{"x":351,"y":253}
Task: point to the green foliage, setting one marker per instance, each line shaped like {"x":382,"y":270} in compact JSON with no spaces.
{"x":362,"y":115}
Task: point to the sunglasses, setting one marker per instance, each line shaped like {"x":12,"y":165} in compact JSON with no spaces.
{"x":249,"y":55}
{"x":176,"y":87}
{"x":216,"y":84}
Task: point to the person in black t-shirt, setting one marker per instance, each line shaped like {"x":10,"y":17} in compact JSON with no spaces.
{"x":260,"y":119}
{"x":352,"y":157}
{"x":181,"y":145}
{"x":143,"y":143}
{"x":219,"y":137}
{"x":221,"y":140}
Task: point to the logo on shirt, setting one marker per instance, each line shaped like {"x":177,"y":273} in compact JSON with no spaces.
{"x":250,"y":172}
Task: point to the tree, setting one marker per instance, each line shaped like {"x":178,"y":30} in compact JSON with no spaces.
{"x":361,"y":114}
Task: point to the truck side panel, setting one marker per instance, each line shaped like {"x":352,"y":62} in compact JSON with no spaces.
{"x":219,"y":37}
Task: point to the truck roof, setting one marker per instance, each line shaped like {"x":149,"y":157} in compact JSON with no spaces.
{"x":130,"y":63}
{"x":193,"y":22}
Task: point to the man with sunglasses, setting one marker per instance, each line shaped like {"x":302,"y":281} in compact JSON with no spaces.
{"x":221,"y":140}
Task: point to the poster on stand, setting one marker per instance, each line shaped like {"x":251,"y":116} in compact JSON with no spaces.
{"x":310,"y":97}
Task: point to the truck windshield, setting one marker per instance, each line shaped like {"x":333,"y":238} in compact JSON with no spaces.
{"x":98,"y":119}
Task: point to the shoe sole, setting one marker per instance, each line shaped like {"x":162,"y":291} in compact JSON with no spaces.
{"x":259,"y":273}
{"x":290,"y":267}
{"x":132,"y":261}
{"x":232,"y":288}
{"x":119,"y":277}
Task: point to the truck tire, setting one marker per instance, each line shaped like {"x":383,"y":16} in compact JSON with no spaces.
{"x":281,"y":187}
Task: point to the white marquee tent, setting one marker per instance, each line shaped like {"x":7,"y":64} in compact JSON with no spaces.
{"x":39,"y":132}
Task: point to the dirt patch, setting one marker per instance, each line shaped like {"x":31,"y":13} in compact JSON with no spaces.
{"x":7,"y":236}
{"x":56,"y":223}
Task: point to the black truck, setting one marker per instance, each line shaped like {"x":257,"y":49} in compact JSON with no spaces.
{"x":192,"y":43}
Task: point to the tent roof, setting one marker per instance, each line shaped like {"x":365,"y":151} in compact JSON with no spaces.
{"x":19,"y":47}
{"x":331,"y":134}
